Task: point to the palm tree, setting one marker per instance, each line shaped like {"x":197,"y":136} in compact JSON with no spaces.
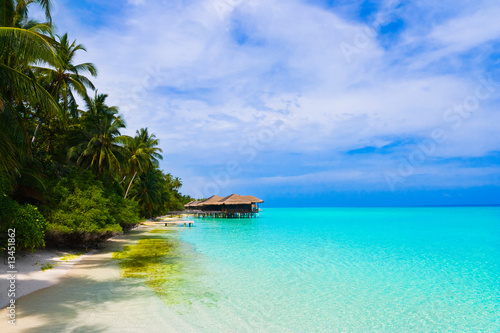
{"x":177,"y":183}
{"x":142,"y":154}
{"x":22,"y":43}
{"x":15,"y":13}
{"x":150,"y":192}
{"x":19,"y":49}
{"x":63,"y":78}
{"x":97,"y":109}
{"x":101,"y":151}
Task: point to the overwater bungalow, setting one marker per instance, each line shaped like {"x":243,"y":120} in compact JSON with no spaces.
{"x":210,"y":204}
{"x":233,"y":205}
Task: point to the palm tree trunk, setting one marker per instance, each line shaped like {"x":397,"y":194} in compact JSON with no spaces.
{"x":36,"y":131}
{"x":130,"y":184}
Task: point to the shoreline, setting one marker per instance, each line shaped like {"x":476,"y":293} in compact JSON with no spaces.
{"x":90,"y":293}
{"x":93,"y":292}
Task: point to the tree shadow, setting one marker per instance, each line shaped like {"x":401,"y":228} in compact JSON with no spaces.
{"x":89,"y":298}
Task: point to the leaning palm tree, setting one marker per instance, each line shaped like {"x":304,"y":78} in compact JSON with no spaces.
{"x":143,"y":153}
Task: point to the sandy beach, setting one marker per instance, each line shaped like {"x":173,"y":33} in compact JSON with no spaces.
{"x":33,"y":284}
{"x":88,"y":294}
{"x":30,"y":277}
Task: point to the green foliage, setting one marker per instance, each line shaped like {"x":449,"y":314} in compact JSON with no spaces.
{"x":74,"y":165}
{"x":72,"y":256}
{"x":30,"y":227}
{"x":47,"y":266}
{"x":28,"y":222}
{"x":125,"y":211}
{"x":80,"y":202}
{"x":101,"y":150}
{"x":143,"y":154}
{"x":157,"y":193}
{"x":64,"y":78}
{"x":85,"y":210}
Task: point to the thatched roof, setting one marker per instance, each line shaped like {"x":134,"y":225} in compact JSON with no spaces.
{"x":236,"y":199}
{"x":213,"y":200}
{"x":233,"y":199}
{"x":192,"y":203}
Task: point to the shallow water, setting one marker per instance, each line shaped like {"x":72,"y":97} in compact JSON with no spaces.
{"x":355,"y":270}
{"x":298,"y":270}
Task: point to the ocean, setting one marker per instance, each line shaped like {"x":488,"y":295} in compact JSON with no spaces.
{"x":298,"y":270}
{"x":353,"y":270}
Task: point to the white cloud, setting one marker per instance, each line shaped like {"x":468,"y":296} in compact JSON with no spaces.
{"x":463,"y":33}
{"x":177,"y":68}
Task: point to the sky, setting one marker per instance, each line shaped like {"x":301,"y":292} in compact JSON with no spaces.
{"x":307,"y":102}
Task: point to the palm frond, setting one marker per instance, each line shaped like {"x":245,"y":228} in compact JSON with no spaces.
{"x":26,"y":45}
{"x":35,"y":26}
{"x":86,"y":67}
{"x":7,"y":10}
{"x":47,"y":6}
{"x":25,"y":86}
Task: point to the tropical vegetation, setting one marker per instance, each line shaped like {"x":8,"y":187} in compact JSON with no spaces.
{"x":68,"y":175}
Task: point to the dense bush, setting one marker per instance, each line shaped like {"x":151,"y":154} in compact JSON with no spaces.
{"x":30,"y":227}
{"x":81,"y":203}
{"x":8,"y":211}
{"x":28,"y":222}
{"x":124,"y":211}
{"x":85,"y":210}
{"x":8,"y":208}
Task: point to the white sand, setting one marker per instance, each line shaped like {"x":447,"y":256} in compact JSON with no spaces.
{"x":30,"y":276}
{"x":91,"y":297}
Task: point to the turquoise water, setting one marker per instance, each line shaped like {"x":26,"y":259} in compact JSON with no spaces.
{"x":292,"y":270}
{"x":347,"y":270}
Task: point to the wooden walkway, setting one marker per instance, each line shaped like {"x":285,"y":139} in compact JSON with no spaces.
{"x":169,"y":223}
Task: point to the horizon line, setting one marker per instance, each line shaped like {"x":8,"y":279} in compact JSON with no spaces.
{"x":400,"y":206}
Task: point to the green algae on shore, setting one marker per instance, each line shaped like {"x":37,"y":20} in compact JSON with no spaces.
{"x":47,"y":266}
{"x":156,"y":259}
{"x":71,"y":256}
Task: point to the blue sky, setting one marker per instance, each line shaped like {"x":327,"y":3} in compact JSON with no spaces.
{"x":307,"y":102}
